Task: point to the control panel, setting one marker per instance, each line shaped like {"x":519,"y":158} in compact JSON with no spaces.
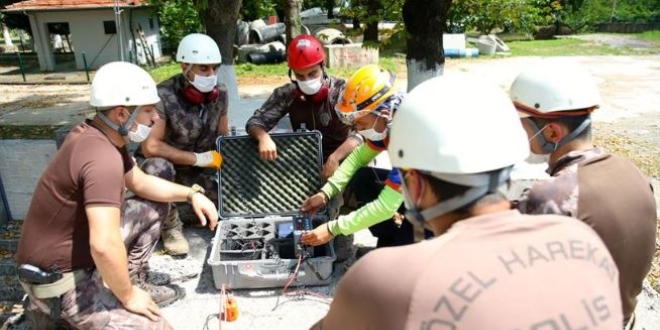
{"x":302,"y":224}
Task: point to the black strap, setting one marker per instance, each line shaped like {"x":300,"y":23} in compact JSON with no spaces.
{"x":380,"y":93}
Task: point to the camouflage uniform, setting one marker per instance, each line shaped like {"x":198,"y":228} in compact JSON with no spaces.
{"x":615,"y":198}
{"x":93,"y":306}
{"x":191,"y":128}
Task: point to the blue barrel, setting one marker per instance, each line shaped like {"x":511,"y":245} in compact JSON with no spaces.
{"x":461,"y":52}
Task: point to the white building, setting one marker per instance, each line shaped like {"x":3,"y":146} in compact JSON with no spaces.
{"x":102,"y":30}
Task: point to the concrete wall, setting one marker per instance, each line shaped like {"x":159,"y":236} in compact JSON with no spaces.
{"x":21,"y":164}
{"x":147,"y":19}
{"x":350,"y":55}
{"x":88,"y":35}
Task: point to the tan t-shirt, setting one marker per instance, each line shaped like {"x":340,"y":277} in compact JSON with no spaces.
{"x":501,"y":271}
{"x":88,"y":169}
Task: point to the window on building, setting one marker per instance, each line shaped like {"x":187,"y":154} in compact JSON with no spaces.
{"x":151,"y":23}
{"x":109,"y":27}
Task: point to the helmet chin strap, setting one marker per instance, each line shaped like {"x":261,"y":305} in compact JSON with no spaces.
{"x":495,"y":179}
{"x":121,"y":129}
{"x":548,"y":147}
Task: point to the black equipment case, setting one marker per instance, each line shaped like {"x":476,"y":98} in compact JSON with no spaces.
{"x":258,"y":204}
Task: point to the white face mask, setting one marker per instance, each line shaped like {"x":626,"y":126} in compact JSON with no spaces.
{"x":372,"y":134}
{"x":205,"y":84}
{"x":140,"y":134}
{"x":310,"y":87}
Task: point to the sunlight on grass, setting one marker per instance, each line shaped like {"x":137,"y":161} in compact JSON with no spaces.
{"x":570,"y":47}
{"x":165,"y":71}
{"x":650,"y":35}
{"x":390,"y":62}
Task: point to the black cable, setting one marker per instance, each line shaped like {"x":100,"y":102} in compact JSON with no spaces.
{"x":209,"y":318}
{"x":316,"y":273}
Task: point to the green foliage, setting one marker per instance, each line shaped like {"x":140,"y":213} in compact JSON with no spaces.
{"x":177,"y":19}
{"x":636,"y":11}
{"x":252,"y":10}
{"x":14,"y":20}
{"x":583,"y":15}
{"x":487,"y":15}
{"x":374,"y":11}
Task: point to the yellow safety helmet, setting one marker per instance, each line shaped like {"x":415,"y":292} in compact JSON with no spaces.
{"x":367,"y":88}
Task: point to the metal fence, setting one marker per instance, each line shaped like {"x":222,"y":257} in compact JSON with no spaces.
{"x":5,"y":214}
{"x":23,"y":67}
{"x":627,"y":27}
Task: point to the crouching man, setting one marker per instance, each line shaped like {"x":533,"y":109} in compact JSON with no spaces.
{"x":84,"y":249}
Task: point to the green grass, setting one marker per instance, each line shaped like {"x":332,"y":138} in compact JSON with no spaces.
{"x":32,"y":132}
{"x":517,"y":42}
{"x":165,"y":71}
{"x":572,"y":47}
{"x":649,"y":35}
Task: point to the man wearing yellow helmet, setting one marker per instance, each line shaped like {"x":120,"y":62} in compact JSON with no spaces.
{"x":368,"y":102}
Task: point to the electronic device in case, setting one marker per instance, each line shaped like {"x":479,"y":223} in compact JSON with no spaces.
{"x":301,"y":225}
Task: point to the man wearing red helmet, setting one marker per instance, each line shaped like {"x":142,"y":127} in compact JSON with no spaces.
{"x":309,"y":99}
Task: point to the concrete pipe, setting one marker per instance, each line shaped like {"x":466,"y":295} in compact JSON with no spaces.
{"x":267,"y":33}
{"x":242,"y":33}
{"x":264,"y":58}
{"x":257,"y":24}
{"x":331,"y":36}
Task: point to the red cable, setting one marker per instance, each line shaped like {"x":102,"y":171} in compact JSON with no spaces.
{"x":293,"y":275}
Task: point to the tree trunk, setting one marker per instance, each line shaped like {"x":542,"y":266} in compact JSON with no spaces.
{"x":425,"y":21}
{"x":5,"y":34}
{"x":330,"y":6}
{"x":292,"y":9}
{"x":220,"y":17}
{"x":356,"y":23}
{"x":374,"y":9}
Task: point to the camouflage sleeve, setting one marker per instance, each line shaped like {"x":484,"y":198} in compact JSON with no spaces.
{"x":223,"y":101}
{"x":275,"y":107}
{"x":166,"y":94}
{"x":555,"y":195}
{"x":160,"y":108}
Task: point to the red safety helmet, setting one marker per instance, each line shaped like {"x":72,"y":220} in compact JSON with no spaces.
{"x":304,"y":52}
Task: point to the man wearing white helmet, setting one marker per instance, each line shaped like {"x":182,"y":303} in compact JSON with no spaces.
{"x":181,"y":147}
{"x":84,"y":250}
{"x":489,"y":267}
{"x":607,"y":192}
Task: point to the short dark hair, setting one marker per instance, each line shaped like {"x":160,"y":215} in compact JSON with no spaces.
{"x":571,"y":123}
{"x":444,"y":190}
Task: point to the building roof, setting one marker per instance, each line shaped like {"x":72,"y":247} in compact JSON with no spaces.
{"x":34,"y":5}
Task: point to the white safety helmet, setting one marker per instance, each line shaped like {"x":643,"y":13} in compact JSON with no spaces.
{"x":122,"y":84}
{"x":457,"y":124}
{"x":197,"y":48}
{"x":552,"y":90}
{"x":459,"y":129}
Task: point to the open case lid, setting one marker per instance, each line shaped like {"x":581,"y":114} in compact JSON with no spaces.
{"x":250,"y":187}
